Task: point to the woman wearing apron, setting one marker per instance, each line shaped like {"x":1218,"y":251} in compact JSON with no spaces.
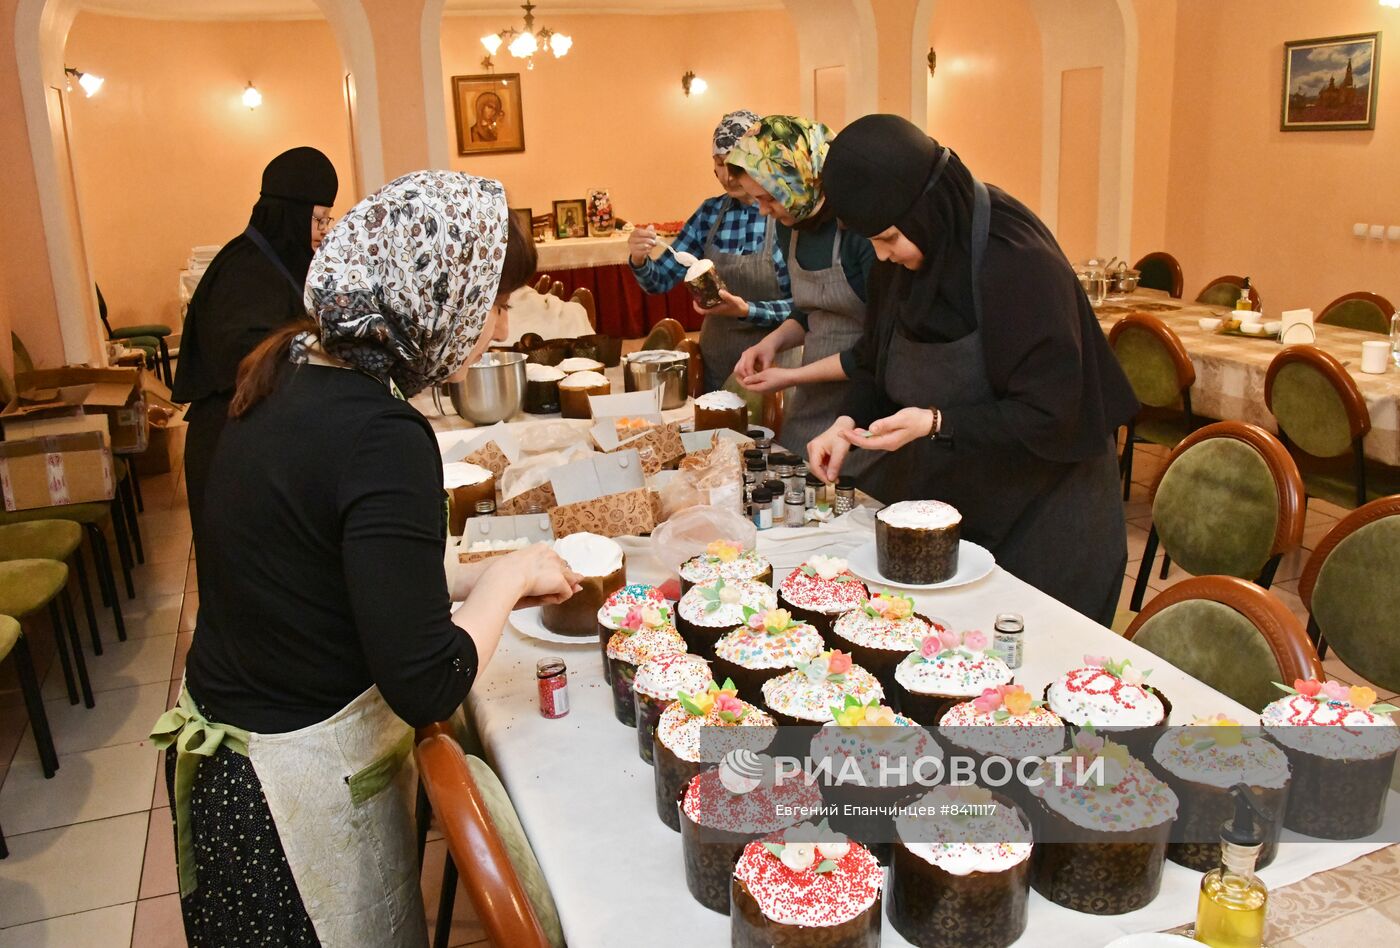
{"x":324,"y":632}
{"x":253,"y":286}
{"x":982,"y":369}
{"x":730,"y":231}
{"x":779,"y":165}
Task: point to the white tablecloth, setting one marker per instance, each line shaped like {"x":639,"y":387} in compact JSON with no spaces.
{"x":575,"y":253}
{"x":585,"y":797}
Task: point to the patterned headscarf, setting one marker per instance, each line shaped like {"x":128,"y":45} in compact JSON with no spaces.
{"x":402,"y":285}
{"x":784,"y":154}
{"x":731,"y":128}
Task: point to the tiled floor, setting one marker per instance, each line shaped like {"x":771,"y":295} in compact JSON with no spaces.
{"x":92,"y":862}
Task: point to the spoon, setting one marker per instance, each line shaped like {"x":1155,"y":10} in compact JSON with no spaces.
{"x":684,"y":259}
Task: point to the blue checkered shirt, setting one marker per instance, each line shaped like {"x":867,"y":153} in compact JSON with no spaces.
{"x":742,"y":231}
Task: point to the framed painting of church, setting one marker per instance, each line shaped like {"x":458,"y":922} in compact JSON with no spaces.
{"x":1330,"y":84}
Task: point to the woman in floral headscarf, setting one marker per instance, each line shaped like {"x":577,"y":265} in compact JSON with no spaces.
{"x":729,"y":231}
{"x":778,"y":164}
{"x":325,"y":632}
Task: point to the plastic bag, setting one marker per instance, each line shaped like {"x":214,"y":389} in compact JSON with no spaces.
{"x":689,"y":532}
{"x":543,"y":447}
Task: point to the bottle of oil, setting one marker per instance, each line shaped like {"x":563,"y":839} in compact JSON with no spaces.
{"x":1230,"y":913}
{"x":1244,"y":303}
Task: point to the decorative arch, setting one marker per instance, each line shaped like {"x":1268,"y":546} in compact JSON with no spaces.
{"x":41,"y":34}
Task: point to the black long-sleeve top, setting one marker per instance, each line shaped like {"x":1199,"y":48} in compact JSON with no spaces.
{"x":322,"y":569}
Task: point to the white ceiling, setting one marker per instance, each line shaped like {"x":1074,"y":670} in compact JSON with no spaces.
{"x":303,"y":9}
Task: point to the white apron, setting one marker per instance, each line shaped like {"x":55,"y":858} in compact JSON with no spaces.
{"x":341,"y":793}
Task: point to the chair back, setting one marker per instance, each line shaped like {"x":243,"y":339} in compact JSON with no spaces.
{"x":1315,"y":401}
{"x":543,"y":284}
{"x":584,"y":297}
{"x":667,"y":334}
{"x":695,"y":383}
{"x":1369,"y":312}
{"x":1230,"y":634}
{"x":102,"y":310}
{"x":1160,"y":271}
{"x":1349,"y":588}
{"x":1225,"y":290}
{"x":488,"y":846}
{"x":1229,"y":499}
{"x":1153,"y":358}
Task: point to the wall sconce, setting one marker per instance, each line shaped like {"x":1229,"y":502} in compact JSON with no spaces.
{"x":690,"y":82}
{"x":89,"y":83}
{"x":252,"y":98}
{"x":933,"y":58}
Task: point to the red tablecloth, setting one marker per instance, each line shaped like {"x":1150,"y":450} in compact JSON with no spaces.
{"x":624,"y":309}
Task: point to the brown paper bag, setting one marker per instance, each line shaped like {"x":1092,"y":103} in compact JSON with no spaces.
{"x":629,"y":513}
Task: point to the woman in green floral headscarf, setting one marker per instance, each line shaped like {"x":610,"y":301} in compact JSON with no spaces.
{"x":779,"y":163}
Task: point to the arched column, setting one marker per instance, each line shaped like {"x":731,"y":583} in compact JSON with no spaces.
{"x":434,"y":102}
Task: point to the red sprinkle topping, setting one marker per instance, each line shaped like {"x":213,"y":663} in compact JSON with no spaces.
{"x":842,"y":594}
{"x":808,"y":898}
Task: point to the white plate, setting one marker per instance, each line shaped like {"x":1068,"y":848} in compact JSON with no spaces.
{"x":528,"y":622}
{"x":974,"y":562}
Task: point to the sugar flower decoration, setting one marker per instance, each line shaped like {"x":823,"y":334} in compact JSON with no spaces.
{"x":948,"y":644}
{"x":1334,"y":692}
{"x":723,"y":550}
{"x":1122,"y":669}
{"x":1005,"y":701}
{"x":889,"y":606}
{"x":774,"y":621}
{"x":829,"y":666}
{"x":723,"y":700}
{"x":829,"y":568}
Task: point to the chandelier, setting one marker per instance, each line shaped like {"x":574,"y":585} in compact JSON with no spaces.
{"x":523,"y":44}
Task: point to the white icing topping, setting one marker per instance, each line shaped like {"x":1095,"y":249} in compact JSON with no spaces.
{"x":585,"y":380}
{"x":894,"y":635}
{"x":534,"y":372}
{"x":799,"y":696}
{"x":645,"y":645}
{"x":695,"y":608}
{"x":753,"y":648}
{"x":920,"y":515}
{"x":589,"y":554}
{"x":1194,"y":753}
{"x":899,"y":745}
{"x":1091,"y":695}
{"x":1136,"y":801}
{"x":720,"y":400}
{"x":995,"y":842}
{"x":1037,"y":733}
{"x":953,"y":674}
{"x":487,"y":546}
{"x":680,"y":731}
{"x":662,"y":677}
{"x":1329,"y":729}
{"x":462,"y":474}
{"x":704,"y":568}
{"x":699,"y":268}
{"x":579,"y":364}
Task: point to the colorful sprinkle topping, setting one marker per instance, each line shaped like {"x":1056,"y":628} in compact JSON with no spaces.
{"x":1128,"y":797}
{"x":760,"y":647}
{"x":948,"y":664}
{"x":620,"y":603}
{"x":979,"y":834}
{"x":726,"y":602}
{"x":724,"y":559}
{"x":1327,"y":719}
{"x":1037,"y":732}
{"x":1218,"y":752}
{"x":644,"y":645}
{"x":681,"y":731}
{"x":662,"y":677}
{"x":810,"y":692}
{"x":709,"y":803}
{"x":883,"y":630}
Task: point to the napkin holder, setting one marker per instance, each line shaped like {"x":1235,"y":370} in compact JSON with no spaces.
{"x":605,"y":494}
{"x":1298,"y":328}
{"x":532,"y":528}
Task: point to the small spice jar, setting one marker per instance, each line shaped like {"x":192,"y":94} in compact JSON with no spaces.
{"x":845,"y":495}
{"x":796,"y":507}
{"x":552,"y":679}
{"x":761,"y":441}
{"x":816,"y":491}
{"x":762,"y":508}
{"x":485,"y":508}
{"x":782,"y":467}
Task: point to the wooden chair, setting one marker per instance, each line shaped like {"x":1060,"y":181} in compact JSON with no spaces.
{"x":488,"y":846}
{"x":1230,"y":634}
{"x":584,"y":297}
{"x":1161,"y":374}
{"x":1160,"y":271}
{"x":543,"y":284}
{"x":1368,"y":312}
{"x":696,"y":382}
{"x":1229,"y":502}
{"x":666,"y":334}
{"x":1349,"y":589}
{"x":1225,"y":291}
{"x":1322,"y":413}
{"x":557,"y":288}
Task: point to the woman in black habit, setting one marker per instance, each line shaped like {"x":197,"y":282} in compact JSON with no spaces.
{"x":982,"y":367}
{"x":254,"y":285}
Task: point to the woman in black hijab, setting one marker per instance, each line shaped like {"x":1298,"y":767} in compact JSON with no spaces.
{"x":982,"y":367}
{"x":254,"y":285}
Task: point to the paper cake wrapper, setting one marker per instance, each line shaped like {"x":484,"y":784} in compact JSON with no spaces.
{"x":629,"y":513}
{"x":658,"y":448}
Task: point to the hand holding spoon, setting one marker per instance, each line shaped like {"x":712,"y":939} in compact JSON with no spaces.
{"x":684,"y":259}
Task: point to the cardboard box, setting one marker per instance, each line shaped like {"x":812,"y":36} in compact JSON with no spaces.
{"x":167,"y":437}
{"x":63,"y":469}
{"x":60,"y":414}
{"x":604,"y":494}
{"x":116,"y":393}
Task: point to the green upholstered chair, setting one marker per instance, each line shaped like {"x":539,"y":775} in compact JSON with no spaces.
{"x":487,"y":844}
{"x":1225,"y":290}
{"x":1322,"y":413}
{"x":666,"y":334}
{"x":1160,"y":271}
{"x":1228,"y":503}
{"x":139,"y":337}
{"x":29,"y":586}
{"x":1369,"y":312}
{"x":1230,"y":634}
{"x":1161,"y":374}
{"x":1349,"y":589}
{"x":59,"y":540}
{"x":14,"y":643}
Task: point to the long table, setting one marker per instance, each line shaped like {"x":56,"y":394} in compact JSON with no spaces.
{"x":599,"y":264}
{"x":1230,"y":370}
{"x":585,"y":796}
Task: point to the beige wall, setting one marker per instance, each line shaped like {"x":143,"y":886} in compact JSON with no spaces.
{"x":167,"y":157}
{"x":1153,"y":134}
{"x":611,"y":113}
{"x":985,"y":98}
{"x":1081,"y":137}
{"x":1247,"y":198}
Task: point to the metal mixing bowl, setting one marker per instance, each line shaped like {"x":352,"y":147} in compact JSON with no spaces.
{"x":493,"y":390}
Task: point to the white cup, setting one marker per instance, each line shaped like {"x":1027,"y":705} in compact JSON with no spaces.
{"x":1252,"y":326}
{"x":1375,"y":357}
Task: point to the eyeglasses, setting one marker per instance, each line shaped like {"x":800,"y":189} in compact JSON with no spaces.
{"x":323,"y":223}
